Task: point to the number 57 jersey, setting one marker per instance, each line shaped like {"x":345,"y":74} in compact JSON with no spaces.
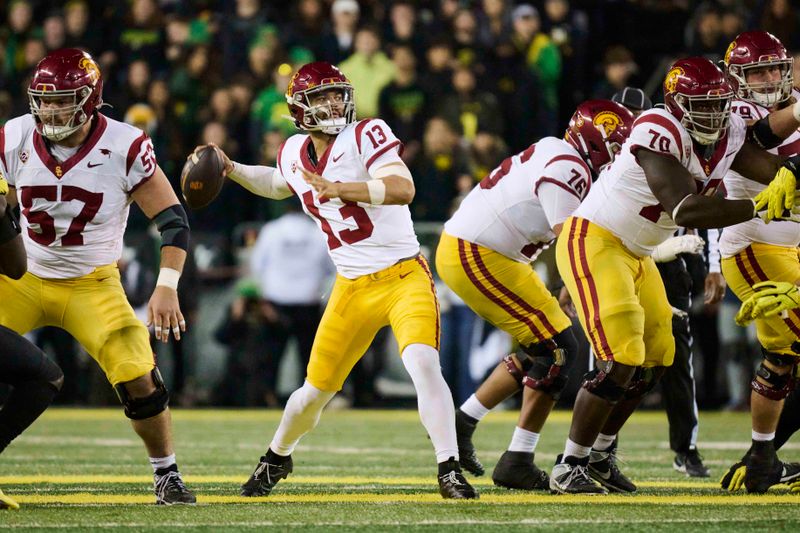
{"x":74,"y":211}
{"x":362,"y":238}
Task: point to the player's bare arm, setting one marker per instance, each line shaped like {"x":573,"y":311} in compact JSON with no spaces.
{"x":13,"y":259}
{"x":389,"y":190}
{"x":158,"y":201}
{"x":675,"y":189}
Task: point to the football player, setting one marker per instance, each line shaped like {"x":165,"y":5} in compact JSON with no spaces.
{"x":352,"y":182}
{"x":664,"y":177}
{"x":34,"y":378}
{"x":485,"y":255}
{"x":74,"y":173}
{"x":760,"y":71}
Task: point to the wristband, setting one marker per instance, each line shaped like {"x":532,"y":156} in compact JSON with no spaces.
{"x":9,"y":227}
{"x":168,"y":277}
{"x":377,"y":191}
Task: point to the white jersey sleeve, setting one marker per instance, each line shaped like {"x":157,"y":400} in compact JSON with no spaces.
{"x":658,"y":134}
{"x":140,"y":164}
{"x":12,"y":152}
{"x":377,"y":144}
{"x":561,"y":187}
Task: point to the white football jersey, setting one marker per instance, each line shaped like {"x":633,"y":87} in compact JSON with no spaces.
{"x":74,"y":212}
{"x":781,"y":233}
{"x":621,"y":200}
{"x":513,"y":210}
{"x":362,"y":238}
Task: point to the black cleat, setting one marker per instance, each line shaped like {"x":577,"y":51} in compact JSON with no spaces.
{"x":170,"y":489}
{"x":572,"y":477}
{"x":465,"y":427}
{"x":267,"y":474}
{"x":603,"y":469}
{"x":762,"y":467}
{"x":516,"y":470}
{"x":453,"y":484}
{"x":690,"y":463}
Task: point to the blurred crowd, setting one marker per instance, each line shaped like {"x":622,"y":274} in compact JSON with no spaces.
{"x":463,"y":83}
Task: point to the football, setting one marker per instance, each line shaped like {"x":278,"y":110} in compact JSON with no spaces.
{"x":201,"y":178}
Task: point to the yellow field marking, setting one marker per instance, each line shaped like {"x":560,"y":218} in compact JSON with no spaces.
{"x":300,"y":480}
{"x":70,"y":414}
{"x":721,"y":500}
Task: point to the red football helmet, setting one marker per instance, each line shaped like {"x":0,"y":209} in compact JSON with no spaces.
{"x":315,"y":78}
{"x":64,"y":74}
{"x":597,"y":130}
{"x":699,"y":95}
{"x":759,"y":50}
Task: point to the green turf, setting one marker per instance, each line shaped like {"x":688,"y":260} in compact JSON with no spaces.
{"x":220,"y":448}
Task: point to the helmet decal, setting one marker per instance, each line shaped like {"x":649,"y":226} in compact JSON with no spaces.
{"x":608,"y":120}
{"x":671,"y":81}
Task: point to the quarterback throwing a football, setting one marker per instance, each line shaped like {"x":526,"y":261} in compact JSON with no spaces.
{"x":352,"y":182}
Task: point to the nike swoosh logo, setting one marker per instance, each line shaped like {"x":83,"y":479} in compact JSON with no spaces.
{"x":92,"y":165}
{"x":405,"y":275}
{"x":338,"y":157}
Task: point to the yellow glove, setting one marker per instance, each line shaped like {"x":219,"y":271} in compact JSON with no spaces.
{"x":778,"y":197}
{"x":736,"y":481}
{"x":770,"y":299}
{"x":795,"y":487}
{"x":3,"y":185}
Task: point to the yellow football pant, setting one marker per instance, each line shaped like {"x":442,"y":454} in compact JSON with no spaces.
{"x":761,"y":262}
{"x":92,"y":308}
{"x":504,"y":292}
{"x":402,"y":296}
{"x":620,"y":298}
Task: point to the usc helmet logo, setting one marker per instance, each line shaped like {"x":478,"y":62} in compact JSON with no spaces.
{"x":608,"y":120}
{"x":90,"y":67}
{"x":728,"y":53}
{"x":671,"y":81}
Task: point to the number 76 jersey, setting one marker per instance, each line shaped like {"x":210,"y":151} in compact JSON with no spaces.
{"x":74,"y":212}
{"x":362,"y":238}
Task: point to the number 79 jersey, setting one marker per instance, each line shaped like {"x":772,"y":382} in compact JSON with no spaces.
{"x":74,"y":212}
{"x":621,"y":200}
{"x":362,"y":238}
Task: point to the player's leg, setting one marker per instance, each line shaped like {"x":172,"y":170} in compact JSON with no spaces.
{"x":511,"y":296}
{"x":350,"y":321}
{"x":34,"y":379}
{"x":414,"y":318}
{"x":600,"y":275}
{"x":659,"y":347}
{"x":775,"y":376}
{"x":95,"y":310}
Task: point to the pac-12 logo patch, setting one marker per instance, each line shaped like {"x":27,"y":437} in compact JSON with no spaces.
{"x":23,"y":156}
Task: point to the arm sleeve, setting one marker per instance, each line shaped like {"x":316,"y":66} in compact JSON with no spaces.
{"x":261,"y":180}
{"x":659,"y":134}
{"x":377,"y":145}
{"x":140,"y":164}
{"x":561,"y":188}
{"x":714,"y":255}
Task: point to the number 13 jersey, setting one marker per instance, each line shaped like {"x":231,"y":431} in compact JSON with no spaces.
{"x":621,"y":200}
{"x":362,"y":238}
{"x":74,"y":212}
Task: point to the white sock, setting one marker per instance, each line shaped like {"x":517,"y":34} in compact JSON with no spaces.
{"x":434,"y":401}
{"x":299,"y":417}
{"x":763,"y":436}
{"x":162,"y":462}
{"x":473,"y":407}
{"x":603,"y":442}
{"x":523,"y":441}
{"x":576,"y":450}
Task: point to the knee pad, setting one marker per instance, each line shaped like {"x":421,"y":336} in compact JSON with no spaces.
{"x":549,"y":363}
{"x":609,"y":382}
{"x":514,"y":370}
{"x":149,"y":406}
{"x":778,"y":385}
{"x":643,"y":381}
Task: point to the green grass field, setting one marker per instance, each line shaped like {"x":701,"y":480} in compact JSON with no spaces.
{"x":361,"y":470}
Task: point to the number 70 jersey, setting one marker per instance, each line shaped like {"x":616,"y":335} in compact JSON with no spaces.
{"x":74,"y":212}
{"x":362,"y":238}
